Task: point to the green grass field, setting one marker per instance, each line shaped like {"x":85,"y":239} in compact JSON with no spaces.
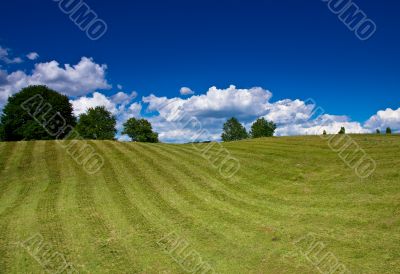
{"x":287,"y":188}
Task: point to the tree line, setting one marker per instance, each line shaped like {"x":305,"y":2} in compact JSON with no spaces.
{"x":233,"y":130}
{"x":97,"y":123}
{"x":388,"y":131}
{"x":17,"y":124}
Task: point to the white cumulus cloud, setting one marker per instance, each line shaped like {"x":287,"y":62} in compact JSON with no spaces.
{"x":330,"y":123}
{"x":186,"y":91}
{"x":6,"y":58}
{"x":77,"y":80}
{"x":212,"y":109}
{"x":122,"y":97}
{"x":84,"y":81}
{"x":289,"y":111}
{"x":218,"y":103}
{"x":82,"y":104}
{"x":32,"y":56}
{"x":383,"y":119}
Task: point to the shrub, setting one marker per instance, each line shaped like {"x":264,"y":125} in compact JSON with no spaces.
{"x":97,"y":124}
{"x":262,"y":128}
{"x":233,"y":131}
{"x":140,"y":130}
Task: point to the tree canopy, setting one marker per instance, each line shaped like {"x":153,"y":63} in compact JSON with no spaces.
{"x":36,"y":113}
{"x":233,"y":130}
{"x":262,"y":128}
{"x":388,"y":130}
{"x":97,"y":124}
{"x":140,"y":130}
{"x":342,"y":130}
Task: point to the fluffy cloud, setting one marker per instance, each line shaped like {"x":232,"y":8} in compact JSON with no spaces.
{"x":32,"y":56}
{"x":77,"y":80}
{"x":180,"y":120}
{"x":80,"y":79}
{"x":211,"y":109}
{"x":173,"y":117}
{"x":186,"y":91}
{"x":217,"y":103}
{"x":134,"y":110}
{"x":115,"y":104}
{"x":5,"y":57}
{"x":289,"y":111}
{"x":330,"y":123}
{"x":128,"y":111}
{"x":383,"y":119}
{"x":294,"y":117}
{"x":3,"y":78}
{"x":82,"y":104}
{"x":122,"y":97}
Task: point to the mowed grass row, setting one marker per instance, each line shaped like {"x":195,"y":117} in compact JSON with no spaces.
{"x":286,"y":188}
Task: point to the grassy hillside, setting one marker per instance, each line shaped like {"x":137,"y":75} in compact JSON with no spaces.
{"x":287,"y":188}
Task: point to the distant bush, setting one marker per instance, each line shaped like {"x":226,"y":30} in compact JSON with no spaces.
{"x":140,"y":130}
{"x":378,"y":131}
{"x":97,"y":124}
{"x":342,"y":130}
{"x":233,"y":130}
{"x":388,"y":130}
{"x":262,"y":128}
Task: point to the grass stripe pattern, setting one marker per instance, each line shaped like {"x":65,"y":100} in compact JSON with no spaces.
{"x":287,"y":188}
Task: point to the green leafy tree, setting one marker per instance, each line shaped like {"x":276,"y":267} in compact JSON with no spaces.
{"x":262,"y":128}
{"x":1,"y":132}
{"x":97,"y":124}
{"x":342,"y":130}
{"x":140,"y":130}
{"x":233,"y":131}
{"x":388,"y":130}
{"x":324,"y":133}
{"x":378,"y":131}
{"x":36,"y":113}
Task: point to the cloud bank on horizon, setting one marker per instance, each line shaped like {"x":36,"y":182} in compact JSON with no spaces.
{"x":85,"y":83}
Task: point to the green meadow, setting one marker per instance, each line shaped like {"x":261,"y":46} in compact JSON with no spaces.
{"x":125,"y":218}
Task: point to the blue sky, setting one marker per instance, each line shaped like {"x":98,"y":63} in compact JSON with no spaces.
{"x":294,"y":49}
